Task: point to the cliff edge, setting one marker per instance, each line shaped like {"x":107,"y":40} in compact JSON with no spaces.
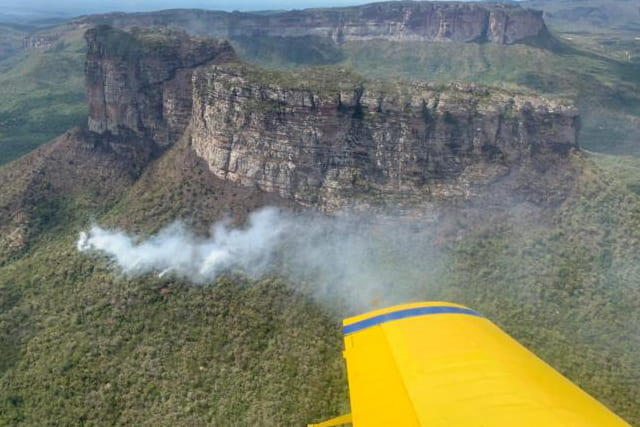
{"x":321,"y":137}
{"x":325,"y":137}
{"x":398,"y":21}
{"x":140,"y":81}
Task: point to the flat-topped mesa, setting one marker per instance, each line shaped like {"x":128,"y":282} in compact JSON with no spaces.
{"x":397,"y":21}
{"x":322,"y":138}
{"x":140,"y":81}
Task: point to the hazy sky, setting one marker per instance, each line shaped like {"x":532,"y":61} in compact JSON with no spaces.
{"x":92,"y":6}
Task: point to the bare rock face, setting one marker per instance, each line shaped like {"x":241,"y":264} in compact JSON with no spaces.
{"x":324,"y":139}
{"x":39,"y":42}
{"x":140,"y":81}
{"x":320,"y":137}
{"x":398,"y":21}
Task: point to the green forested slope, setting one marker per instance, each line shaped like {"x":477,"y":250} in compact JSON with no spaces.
{"x":42,"y":93}
{"x":11,"y":37}
{"x":111,"y":350}
{"x":609,"y":27}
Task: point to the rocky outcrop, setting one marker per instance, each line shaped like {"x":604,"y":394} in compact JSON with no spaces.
{"x":96,"y":168}
{"x":397,"y":21}
{"x":320,"y":137}
{"x":39,"y":42}
{"x":140,"y":81}
{"x":327,"y":138}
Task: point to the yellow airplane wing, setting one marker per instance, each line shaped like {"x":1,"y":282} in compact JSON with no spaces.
{"x":438,"y":364}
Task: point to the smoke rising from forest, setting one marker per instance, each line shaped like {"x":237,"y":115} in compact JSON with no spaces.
{"x":353,"y":258}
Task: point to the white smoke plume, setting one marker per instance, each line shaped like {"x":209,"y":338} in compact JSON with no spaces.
{"x":355,"y":259}
{"x":175,"y":249}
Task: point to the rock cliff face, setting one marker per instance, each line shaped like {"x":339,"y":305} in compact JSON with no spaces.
{"x":321,"y":140}
{"x":397,"y":21}
{"x":320,"y":137}
{"x":140,"y":81}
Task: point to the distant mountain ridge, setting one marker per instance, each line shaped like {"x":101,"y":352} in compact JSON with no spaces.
{"x":397,"y":21}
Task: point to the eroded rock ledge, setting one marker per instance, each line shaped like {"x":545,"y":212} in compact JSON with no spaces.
{"x":398,"y":21}
{"x":141,"y":80}
{"x":323,"y":137}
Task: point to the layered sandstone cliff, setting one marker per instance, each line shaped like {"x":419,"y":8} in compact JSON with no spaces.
{"x":398,"y":21}
{"x":323,"y":138}
{"x":320,"y":136}
{"x":140,"y":81}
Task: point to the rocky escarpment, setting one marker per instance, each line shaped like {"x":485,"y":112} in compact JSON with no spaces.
{"x":319,"y":137}
{"x":397,"y":21}
{"x":323,"y":139}
{"x":140,"y":81}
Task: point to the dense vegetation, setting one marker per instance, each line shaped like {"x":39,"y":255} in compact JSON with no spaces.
{"x":11,"y":37}
{"x":607,"y":27}
{"x":42,"y":92}
{"x":107,"y":349}
{"x":623,"y":169}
